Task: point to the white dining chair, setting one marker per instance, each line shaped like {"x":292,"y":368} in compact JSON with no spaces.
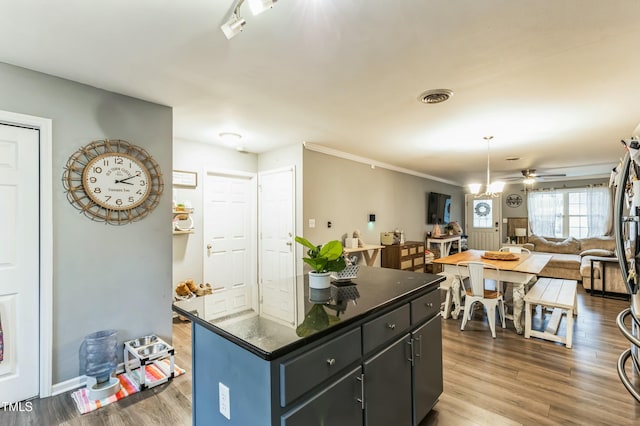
{"x":447,"y":287}
{"x":477,"y":288}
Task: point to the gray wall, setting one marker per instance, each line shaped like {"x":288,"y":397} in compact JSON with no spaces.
{"x":188,"y":249}
{"x":345,"y":192}
{"x":103,"y":276}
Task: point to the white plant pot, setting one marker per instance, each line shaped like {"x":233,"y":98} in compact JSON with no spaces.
{"x":319,"y":280}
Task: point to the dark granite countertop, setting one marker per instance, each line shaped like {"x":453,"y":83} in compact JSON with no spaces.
{"x":325,"y":311}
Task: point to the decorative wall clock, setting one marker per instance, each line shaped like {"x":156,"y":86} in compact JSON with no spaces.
{"x":113,"y":181}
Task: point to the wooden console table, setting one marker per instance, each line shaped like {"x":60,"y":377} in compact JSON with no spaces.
{"x":369,"y":251}
{"x":445,"y":243}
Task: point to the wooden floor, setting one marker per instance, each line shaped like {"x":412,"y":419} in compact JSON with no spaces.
{"x":509,"y":380}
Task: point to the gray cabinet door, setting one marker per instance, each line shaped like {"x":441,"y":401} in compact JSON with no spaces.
{"x":338,"y":404}
{"x":387,"y":386}
{"x":427,"y":370}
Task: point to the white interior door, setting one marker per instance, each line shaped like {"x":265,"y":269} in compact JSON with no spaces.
{"x":277,"y":251}
{"x":19,"y":263}
{"x":229,"y":226}
{"x":482,"y":218}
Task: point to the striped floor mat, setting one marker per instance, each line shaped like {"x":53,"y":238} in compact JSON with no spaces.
{"x":128,"y":386}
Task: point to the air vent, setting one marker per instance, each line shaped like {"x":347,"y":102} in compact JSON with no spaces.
{"x":435,"y":96}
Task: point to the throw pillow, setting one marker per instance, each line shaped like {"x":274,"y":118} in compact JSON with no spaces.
{"x":597,"y":252}
{"x":568,"y":246}
{"x":603,"y":242}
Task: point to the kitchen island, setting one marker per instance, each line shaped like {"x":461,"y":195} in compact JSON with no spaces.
{"x":366,"y":353}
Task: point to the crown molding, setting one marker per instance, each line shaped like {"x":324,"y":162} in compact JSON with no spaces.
{"x":373,"y":163}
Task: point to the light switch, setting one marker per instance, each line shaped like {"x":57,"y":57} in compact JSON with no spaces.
{"x":312,"y":223}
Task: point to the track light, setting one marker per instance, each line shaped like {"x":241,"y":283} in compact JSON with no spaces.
{"x":259,"y":6}
{"x":234,"y":24}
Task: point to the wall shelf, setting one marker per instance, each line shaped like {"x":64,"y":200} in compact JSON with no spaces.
{"x":184,"y":225}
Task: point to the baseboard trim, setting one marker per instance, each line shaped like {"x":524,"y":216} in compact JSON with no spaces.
{"x":68,"y":385}
{"x":76,"y":382}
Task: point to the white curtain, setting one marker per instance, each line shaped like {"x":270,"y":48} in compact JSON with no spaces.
{"x":599,"y":201}
{"x":545,"y":213}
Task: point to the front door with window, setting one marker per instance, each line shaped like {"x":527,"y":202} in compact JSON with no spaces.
{"x":483,"y":217}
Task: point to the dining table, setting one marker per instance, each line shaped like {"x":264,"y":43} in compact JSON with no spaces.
{"x":521,"y":270}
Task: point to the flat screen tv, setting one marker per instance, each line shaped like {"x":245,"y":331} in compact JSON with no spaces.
{"x":438,"y":208}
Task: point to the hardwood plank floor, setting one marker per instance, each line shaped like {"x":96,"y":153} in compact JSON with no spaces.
{"x":515,"y":381}
{"x":509,"y":380}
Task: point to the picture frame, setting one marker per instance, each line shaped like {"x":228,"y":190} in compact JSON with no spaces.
{"x":185,"y":178}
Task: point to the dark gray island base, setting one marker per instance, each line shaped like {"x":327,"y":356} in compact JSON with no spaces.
{"x":377,"y":361}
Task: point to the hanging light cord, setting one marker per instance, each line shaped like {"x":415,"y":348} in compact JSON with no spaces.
{"x":488,"y":139}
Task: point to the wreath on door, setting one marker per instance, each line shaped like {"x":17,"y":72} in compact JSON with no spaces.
{"x":482,"y":209}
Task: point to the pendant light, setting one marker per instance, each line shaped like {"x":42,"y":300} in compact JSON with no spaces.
{"x":493,"y":189}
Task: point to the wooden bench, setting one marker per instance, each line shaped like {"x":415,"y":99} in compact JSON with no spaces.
{"x":561,"y":295}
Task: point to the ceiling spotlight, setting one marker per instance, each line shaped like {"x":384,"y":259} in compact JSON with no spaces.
{"x":259,"y":6}
{"x":234,"y":24}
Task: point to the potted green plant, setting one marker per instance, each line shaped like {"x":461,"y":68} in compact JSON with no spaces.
{"x":323,"y":259}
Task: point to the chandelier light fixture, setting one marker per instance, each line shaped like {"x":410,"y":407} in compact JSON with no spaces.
{"x":234,"y":24}
{"x":493,"y":189}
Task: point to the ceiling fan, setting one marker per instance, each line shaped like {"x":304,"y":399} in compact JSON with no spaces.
{"x":529,"y":176}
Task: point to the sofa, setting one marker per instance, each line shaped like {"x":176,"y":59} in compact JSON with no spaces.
{"x":571,"y":259}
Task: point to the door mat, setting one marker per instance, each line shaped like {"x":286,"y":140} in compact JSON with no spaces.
{"x":128,"y":386}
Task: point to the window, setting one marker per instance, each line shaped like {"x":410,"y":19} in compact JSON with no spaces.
{"x":482,"y":215}
{"x":578,"y":212}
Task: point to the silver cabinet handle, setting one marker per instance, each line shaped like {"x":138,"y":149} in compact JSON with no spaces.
{"x":419,"y":352}
{"x":331,"y":362}
{"x":410,"y":343}
{"x":391,"y":326}
{"x":361,"y":399}
{"x":429,"y":305}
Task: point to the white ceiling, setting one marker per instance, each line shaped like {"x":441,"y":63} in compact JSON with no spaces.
{"x":555,"y":82}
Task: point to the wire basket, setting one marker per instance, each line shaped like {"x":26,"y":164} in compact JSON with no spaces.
{"x":347,"y":274}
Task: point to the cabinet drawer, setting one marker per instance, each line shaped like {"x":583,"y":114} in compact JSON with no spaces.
{"x":384,"y":328}
{"x":300,"y":374}
{"x":425,"y":307}
{"x":404,"y":252}
{"x":420,"y":249}
{"x":419,"y":260}
{"x":412,"y":250}
{"x":337,"y":404}
{"x":406,"y":264}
